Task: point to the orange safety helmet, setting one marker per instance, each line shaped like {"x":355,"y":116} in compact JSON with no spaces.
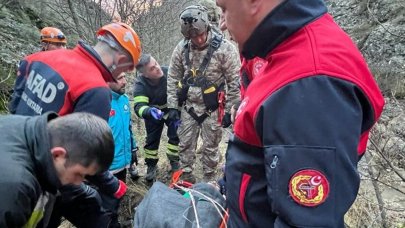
{"x":53,"y":35}
{"x":126,"y":37}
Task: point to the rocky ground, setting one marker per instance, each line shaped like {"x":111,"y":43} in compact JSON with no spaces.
{"x":139,"y":188}
{"x":388,"y":133}
{"x":377,"y":26}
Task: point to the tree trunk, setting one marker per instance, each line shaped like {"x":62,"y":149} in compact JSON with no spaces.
{"x":75,"y":19}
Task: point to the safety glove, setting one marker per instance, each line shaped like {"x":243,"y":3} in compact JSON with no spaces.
{"x":222,"y":185}
{"x":222,"y":182}
{"x":133,"y":171}
{"x":155,"y":113}
{"x":173,"y":115}
{"x":226,"y":120}
{"x":177,"y":123}
{"x":134,"y":155}
{"x":122,"y":189}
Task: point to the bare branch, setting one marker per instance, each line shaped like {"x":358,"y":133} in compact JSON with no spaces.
{"x":386,"y":160}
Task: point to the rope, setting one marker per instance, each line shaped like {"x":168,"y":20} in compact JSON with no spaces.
{"x":217,"y":206}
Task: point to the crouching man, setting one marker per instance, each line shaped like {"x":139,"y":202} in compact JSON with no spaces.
{"x":40,"y":154}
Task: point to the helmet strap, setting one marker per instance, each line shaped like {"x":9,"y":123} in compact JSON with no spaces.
{"x":112,"y":68}
{"x":44,"y":46}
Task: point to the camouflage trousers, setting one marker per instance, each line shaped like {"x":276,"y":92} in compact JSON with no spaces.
{"x":209,"y":132}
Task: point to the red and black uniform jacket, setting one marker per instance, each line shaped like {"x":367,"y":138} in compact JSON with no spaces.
{"x":65,"y":81}
{"x":309,"y":101}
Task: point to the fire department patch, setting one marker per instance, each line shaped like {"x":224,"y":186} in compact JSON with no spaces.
{"x":309,"y":187}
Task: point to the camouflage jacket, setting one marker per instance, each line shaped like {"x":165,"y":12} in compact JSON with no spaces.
{"x":223,"y":67}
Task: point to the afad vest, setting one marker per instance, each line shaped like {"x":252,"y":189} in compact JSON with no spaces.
{"x":56,"y":79}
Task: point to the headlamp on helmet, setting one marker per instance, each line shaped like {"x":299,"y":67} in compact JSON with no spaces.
{"x":52,"y":35}
{"x":194,"y":21}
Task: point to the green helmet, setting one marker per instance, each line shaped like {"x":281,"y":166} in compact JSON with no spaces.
{"x":213,"y":11}
{"x":194,"y":21}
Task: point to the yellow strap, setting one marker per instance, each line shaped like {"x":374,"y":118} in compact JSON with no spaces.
{"x":150,"y":153}
{"x":36,"y":216}
{"x":142,"y":109}
{"x":38,"y":212}
{"x":172,"y":147}
{"x":141,"y":99}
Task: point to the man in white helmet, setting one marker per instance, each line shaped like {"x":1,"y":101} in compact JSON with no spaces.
{"x":203,"y":71}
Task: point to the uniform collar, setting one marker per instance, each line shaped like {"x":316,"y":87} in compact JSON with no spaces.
{"x":115,"y":95}
{"x":286,"y":19}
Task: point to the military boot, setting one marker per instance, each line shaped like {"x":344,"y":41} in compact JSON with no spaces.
{"x":188,"y":176}
{"x":208,"y":177}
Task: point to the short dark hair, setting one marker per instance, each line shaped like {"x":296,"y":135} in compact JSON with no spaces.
{"x":143,"y":61}
{"x":86,"y":138}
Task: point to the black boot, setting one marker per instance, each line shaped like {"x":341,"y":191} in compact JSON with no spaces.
{"x":151,"y":173}
{"x":133,"y":172}
{"x":207,"y":177}
{"x":188,"y":176}
{"x":175,"y":165}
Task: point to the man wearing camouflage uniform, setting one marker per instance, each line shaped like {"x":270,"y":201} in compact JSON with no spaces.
{"x":203,"y":67}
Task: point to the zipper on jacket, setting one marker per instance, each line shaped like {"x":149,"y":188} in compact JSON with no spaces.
{"x":274,"y":183}
{"x":273,"y":164}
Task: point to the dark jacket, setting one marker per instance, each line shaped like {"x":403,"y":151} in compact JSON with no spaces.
{"x":309,"y":102}
{"x":148,"y":95}
{"x":27,"y":170}
{"x":65,"y":81}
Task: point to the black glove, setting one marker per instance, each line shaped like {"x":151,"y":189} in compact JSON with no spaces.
{"x":222,"y":185}
{"x":134,"y":156}
{"x":173,"y":114}
{"x":226,"y":120}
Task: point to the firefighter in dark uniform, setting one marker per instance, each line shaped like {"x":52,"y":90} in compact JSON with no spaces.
{"x":150,"y":98}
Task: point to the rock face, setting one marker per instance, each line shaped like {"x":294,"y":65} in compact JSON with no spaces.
{"x":378,"y":28}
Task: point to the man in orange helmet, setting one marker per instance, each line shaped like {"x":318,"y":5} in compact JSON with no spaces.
{"x":52,"y":39}
{"x":67,"y":81}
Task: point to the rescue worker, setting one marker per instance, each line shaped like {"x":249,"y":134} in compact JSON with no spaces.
{"x":150,"y":103}
{"x":67,"y":81}
{"x":121,"y":125}
{"x":52,"y":39}
{"x":125,"y":145}
{"x":40,"y":154}
{"x":204,"y":67}
{"x":308,"y":104}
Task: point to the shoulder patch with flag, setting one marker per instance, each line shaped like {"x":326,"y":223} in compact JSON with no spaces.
{"x":309,"y":187}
